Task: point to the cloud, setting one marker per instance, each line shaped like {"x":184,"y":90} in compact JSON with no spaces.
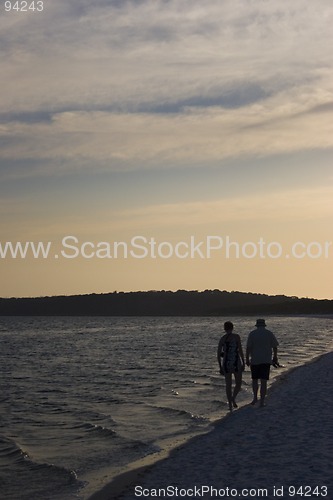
{"x":104,"y":141}
{"x":297,"y":205}
{"x":81,"y":54}
{"x":121,"y":85}
{"x":287,"y":213}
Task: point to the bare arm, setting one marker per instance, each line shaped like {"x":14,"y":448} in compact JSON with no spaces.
{"x":219,"y":351}
{"x":275,"y":349}
{"x":220,"y":354}
{"x":248,"y":352}
{"x":275,"y":355}
{"x":240,"y":350}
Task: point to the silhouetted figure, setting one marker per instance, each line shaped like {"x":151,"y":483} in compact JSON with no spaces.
{"x":231,"y":361}
{"x":261,"y":345}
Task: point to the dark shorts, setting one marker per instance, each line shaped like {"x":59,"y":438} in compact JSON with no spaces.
{"x":260,"y":371}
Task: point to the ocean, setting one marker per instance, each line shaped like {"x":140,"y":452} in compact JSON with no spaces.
{"x":83,"y":394}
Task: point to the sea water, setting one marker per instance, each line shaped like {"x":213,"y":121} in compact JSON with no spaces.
{"x":80,"y":394}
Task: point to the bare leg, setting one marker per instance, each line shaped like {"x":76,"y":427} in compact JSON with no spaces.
{"x":255,"y":391}
{"x":228,"y":389}
{"x":263,"y":391}
{"x":238,"y":385}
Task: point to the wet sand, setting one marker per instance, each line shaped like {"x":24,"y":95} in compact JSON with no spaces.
{"x":286,"y":444}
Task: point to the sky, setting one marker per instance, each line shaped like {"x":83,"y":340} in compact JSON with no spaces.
{"x":165,"y":145}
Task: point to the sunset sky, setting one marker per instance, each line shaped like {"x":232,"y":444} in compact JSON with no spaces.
{"x":176,"y":120}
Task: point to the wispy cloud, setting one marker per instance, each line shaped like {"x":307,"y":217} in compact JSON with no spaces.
{"x":107,"y":53}
{"x":117,"y":141}
{"x":285,"y":215}
{"x":121,"y":84}
{"x":296,"y":205}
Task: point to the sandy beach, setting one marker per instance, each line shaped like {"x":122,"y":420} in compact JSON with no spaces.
{"x":283,"y":450}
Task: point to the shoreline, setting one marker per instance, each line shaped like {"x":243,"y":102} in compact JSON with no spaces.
{"x":114,"y":487}
{"x":148,"y":470}
{"x":122,"y":481}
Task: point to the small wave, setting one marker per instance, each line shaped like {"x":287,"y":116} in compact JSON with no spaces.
{"x":34,"y":480}
{"x":181,"y":413}
{"x":145,"y":448}
{"x":56,"y":409}
{"x":10,"y":451}
{"x":199,"y":418}
{"x":55,"y":470}
{"x":218,"y":403}
{"x":96,"y":429}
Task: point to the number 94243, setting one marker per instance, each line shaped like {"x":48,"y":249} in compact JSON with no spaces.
{"x":24,"y":6}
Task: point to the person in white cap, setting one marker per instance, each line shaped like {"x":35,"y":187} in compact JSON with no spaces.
{"x":261,"y":346}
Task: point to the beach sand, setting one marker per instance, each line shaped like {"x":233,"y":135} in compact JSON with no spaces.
{"x":288,"y":443}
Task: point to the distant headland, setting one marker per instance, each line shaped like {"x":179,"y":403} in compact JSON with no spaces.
{"x":165,"y":303}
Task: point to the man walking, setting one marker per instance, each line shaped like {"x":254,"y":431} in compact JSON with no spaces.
{"x":261,"y":345}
